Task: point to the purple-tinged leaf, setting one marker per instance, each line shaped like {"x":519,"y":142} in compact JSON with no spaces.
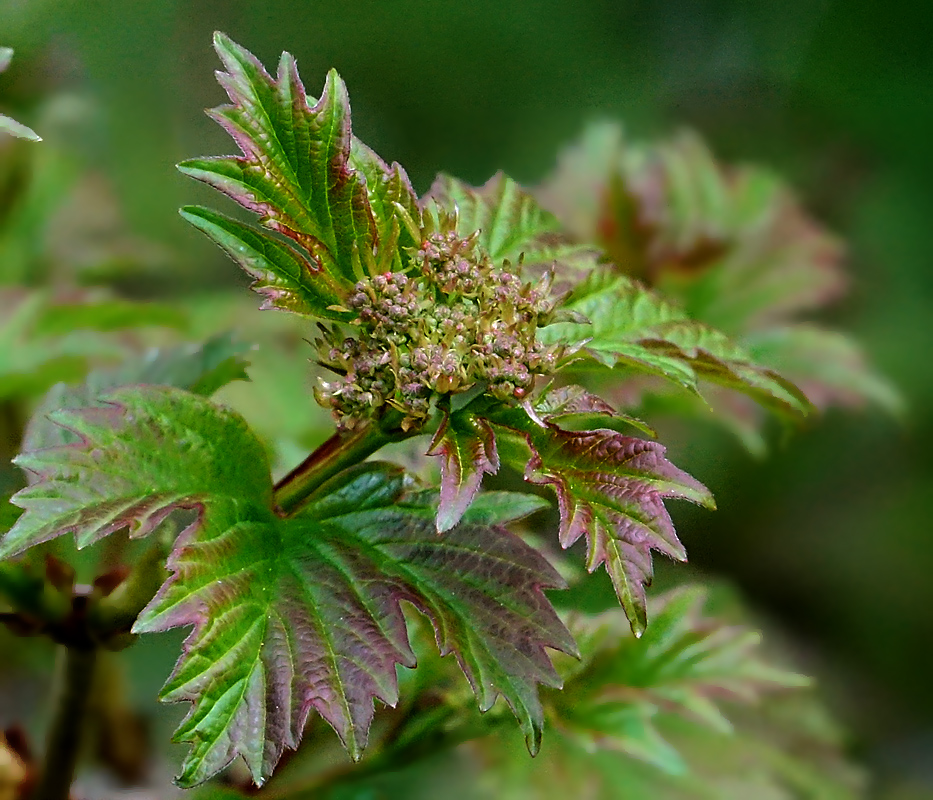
{"x":147,"y":452}
{"x":305,"y":613}
{"x":295,"y":172}
{"x":466,"y":445}
{"x":575,"y":407}
{"x":611,"y":490}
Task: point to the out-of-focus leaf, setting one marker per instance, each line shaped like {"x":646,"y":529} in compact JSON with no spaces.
{"x":690,"y":710}
{"x":58,"y":319}
{"x":8,"y":125}
{"x":828,"y":365}
{"x":199,"y":368}
{"x":731,"y":243}
{"x":611,"y":489}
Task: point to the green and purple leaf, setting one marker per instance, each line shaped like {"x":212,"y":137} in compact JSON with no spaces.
{"x":611,"y":490}
{"x":295,"y":172}
{"x":466,"y":445}
{"x":630,"y":326}
{"x":305,"y":613}
{"x":576,"y":408}
{"x":511,"y":224}
{"x":199,"y":368}
{"x":291,"y":614}
{"x":148,"y":451}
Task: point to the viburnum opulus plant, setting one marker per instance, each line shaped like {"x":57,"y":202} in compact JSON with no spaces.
{"x":504,"y":338}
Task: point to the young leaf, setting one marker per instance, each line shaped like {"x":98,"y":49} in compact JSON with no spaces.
{"x":11,"y":126}
{"x":611,"y":489}
{"x":577,"y":408}
{"x":304,"y":613}
{"x":686,"y":663}
{"x":632,"y":327}
{"x":295,"y":173}
{"x":511,"y":224}
{"x":466,"y":445}
{"x":202,"y":369}
{"x":827,"y":365}
{"x":731,"y":243}
{"x":147,"y":452}
{"x":290,"y":614}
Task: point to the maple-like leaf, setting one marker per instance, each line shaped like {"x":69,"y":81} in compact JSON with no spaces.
{"x":511,"y":224}
{"x":574,"y":407}
{"x":730,"y":243}
{"x":611,"y":490}
{"x":291,"y":614}
{"x":692,"y":709}
{"x":146,"y":452}
{"x":11,"y":126}
{"x":631,"y":326}
{"x":827,"y":365}
{"x":466,"y":445}
{"x":334,"y":202}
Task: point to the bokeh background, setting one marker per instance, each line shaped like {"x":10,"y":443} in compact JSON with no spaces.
{"x":830,"y":538}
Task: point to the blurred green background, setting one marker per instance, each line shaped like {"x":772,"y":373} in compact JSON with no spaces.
{"x":831,"y":536}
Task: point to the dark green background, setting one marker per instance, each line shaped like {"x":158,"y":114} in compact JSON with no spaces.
{"x":832,"y":536}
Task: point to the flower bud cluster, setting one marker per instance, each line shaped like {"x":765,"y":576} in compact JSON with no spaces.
{"x":453,"y":321}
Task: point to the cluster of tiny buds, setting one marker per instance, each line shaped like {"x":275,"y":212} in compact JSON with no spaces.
{"x":451,"y":322}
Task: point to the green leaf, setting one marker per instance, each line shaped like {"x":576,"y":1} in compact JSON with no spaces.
{"x":730,"y":243}
{"x":829,"y":366}
{"x":685,"y":664}
{"x":394,"y":205}
{"x":295,"y":173}
{"x":631,"y":326}
{"x":576,"y":408}
{"x":11,"y":126}
{"x":466,"y":445}
{"x":690,"y":710}
{"x":285,"y":279}
{"x":202,"y":369}
{"x":147,"y":452}
{"x":611,"y":489}
{"x":58,"y":319}
{"x":290,"y":614}
{"x":511,"y":224}
{"x":304,"y":613}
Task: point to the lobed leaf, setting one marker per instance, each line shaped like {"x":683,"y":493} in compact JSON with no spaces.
{"x":297,"y":173}
{"x":292,"y":614}
{"x":631,"y":326}
{"x":611,"y":490}
{"x":731,"y":243}
{"x":145,"y":453}
{"x":305,"y":613}
{"x":466,"y":445}
{"x":511,"y":224}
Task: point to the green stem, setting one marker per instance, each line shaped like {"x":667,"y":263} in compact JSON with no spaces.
{"x":341,"y":451}
{"x":71,"y":703}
